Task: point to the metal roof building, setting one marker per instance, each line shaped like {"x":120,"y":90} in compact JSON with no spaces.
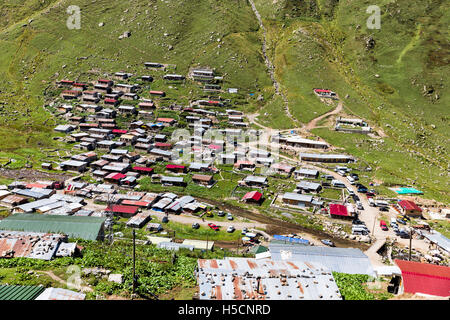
{"x":438,"y":238}
{"x":199,"y":244}
{"x":264,"y":279}
{"x":88,"y":228}
{"x":425,"y":278}
{"x":174,"y":246}
{"x":344,"y":260}
{"x":8,"y":292}
{"x":60,"y":294}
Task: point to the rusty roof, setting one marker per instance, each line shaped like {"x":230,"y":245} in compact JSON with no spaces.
{"x":251,"y":279}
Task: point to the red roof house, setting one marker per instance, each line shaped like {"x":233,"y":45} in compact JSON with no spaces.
{"x":425,"y":278}
{"x":410,"y":208}
{"x":163,"y":145}
{"x":176,"y":168}
{"x":143,"y":170}
{"x":144,"y":204}
{"x":119,"y":131}
{"x":115,"y":177}
{"x":166,"y":120}
{"x":113,"y":102}
{"x":253,"y":196}
{"x":126,"y":211}
{"x":339,"y":211}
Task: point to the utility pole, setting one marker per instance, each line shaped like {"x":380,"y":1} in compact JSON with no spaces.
{"x":134,"y":262}
{"x":410,"y":240}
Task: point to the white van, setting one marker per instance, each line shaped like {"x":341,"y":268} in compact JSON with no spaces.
{"x":361,"y":231}
{"x":393,"y":221}
{"x":351,"y":180}
{"x":381,"y":203}
{"x":337,"y":184}
{"x":371,"y":202}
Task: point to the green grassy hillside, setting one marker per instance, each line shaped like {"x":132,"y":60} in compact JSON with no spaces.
{"x":399,"y":85}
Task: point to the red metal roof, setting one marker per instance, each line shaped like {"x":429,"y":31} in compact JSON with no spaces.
{"x":115,"y":176}
{"x":253,"y":195}
{"x":145,"y":169}
{"x":409,"y":205}
{"x":36,"y":185}
{"x":123,"y":209}
{"x":425,"y":278}
{"x":174,"y":166}
{"x":162,"y":144}
{"x":111,"y":100}
{"x":156,"y":92}
{"x":338,"y":210}
{"x":213,"y":102}
{"x":121,"y":131}
{"x":322,"y":90}
{"x":134,"y":203}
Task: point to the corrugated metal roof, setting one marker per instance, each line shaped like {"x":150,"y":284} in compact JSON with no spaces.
{"x":425,"y":278}
{"x":344,"y":260}
{"x":60,"y":294}
{"x":237,"y":279}
{"x":199,"y":244}
{"x":20,"y":292}
{"x":174,"y":246}
{"x":438,"y":238}
{"x":86,"y":228}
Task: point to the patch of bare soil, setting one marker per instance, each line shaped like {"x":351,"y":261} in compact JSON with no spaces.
{"x":32,"y":175}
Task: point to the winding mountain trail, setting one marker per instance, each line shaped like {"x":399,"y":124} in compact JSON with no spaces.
{"x":270,"y":66}
{"x":313,"y":123}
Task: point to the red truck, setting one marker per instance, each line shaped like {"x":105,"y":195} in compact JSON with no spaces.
{"x":383,"y":225}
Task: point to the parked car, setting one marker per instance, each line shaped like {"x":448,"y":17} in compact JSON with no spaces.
{"x":403,"y":235}
{"x":354,"y":176}
{"x":230,"y":229}
{"x":328,"y":242}
{"x":359,"y":205}
{"x":402,"y":220}
{"x":328,"y":177}
{"x":370,"y":194}
{"x":383,"y":225}
{"x":383,"y":208}
{"x":357,"y":221}
{"x":355,"y":198}
{"x":406,"y":217}
{"x":229,"y":216}
{"x":221,"y":214}
{"x":342,"y":173}
{"x":165,"y":219}
{"x":244,"y":231}
{"x":195,"y":225}
{"x":213,"y":226}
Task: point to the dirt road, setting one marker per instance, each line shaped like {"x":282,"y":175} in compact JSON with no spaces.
{"x":313,"y":123}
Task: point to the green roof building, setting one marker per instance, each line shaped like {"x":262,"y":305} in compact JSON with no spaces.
{"x":20,"y":292}
{"x":87,"y":228}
